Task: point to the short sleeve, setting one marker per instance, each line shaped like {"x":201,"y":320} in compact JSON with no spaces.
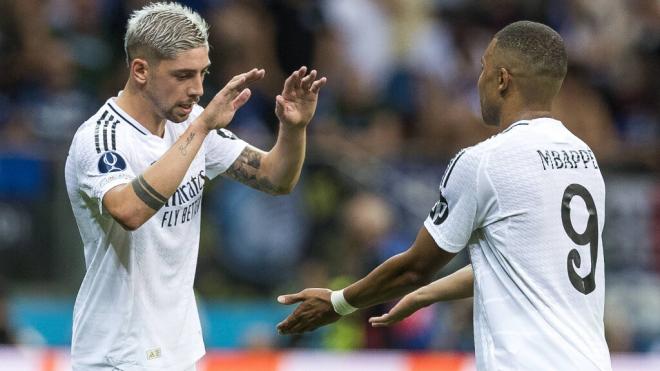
{"x":455,"y":215}
{"x":99,"y":171}
{"x":222,"y":148}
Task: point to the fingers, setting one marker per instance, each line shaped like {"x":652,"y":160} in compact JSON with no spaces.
{"x":307,"y":81}
{"x":381,"y":321}
{"x":286,"y":327}
{"x":254,"y":75}
{"x":283,"y":326}
{"x":280,"y":106}
{"x":291,"y":298}
{"x":238,"y":83}
{"x":295,"y":325}
{"x":299,"y":76}
{"x":298,"y":80}
{"x":242,"y":98}
{"x":317,"y":85}
{"x":293,"y":81}
{"x":290,"y":325}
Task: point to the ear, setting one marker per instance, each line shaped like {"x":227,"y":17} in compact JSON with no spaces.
{"x":139,"y":70}
{"x":503,"y":80}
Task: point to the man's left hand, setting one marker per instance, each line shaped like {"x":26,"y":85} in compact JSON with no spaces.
{"x":297,"y":103}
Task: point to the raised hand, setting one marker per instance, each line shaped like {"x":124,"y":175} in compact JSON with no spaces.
{"x":219,"y":112}
{"x":315,"y":310}
{"x":297,"y":103}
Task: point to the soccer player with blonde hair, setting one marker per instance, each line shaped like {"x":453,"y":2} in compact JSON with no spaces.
{"x":135,"y":175}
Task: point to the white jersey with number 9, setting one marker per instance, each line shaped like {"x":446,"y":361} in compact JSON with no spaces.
{"x":529,"y":205}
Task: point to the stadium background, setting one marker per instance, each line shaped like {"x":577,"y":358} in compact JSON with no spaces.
{"x":400,"y":101}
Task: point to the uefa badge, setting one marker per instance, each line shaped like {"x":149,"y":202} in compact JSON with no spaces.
{"x":111,"y":161}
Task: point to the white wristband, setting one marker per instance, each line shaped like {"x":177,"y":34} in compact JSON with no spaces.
{"x":340,"y":304}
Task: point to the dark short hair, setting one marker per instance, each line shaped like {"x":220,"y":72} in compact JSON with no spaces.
{"x":538,"y":46}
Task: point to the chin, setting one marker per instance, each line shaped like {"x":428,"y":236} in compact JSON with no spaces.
{"x":178,"y":119}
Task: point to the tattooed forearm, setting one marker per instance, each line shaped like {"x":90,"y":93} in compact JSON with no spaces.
{"x":183,"y":148}
{"x":245,"y":169}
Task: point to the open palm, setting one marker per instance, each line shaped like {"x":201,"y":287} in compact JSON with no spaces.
{"x":297,"y":103}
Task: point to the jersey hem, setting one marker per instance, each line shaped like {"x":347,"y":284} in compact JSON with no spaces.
{"x":441,"y":241}
{"x":107,"y":188}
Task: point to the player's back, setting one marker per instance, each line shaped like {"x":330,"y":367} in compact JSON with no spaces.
{"x":537,"y":255}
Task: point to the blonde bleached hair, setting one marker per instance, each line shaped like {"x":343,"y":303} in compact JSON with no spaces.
{"x":162,"y":31}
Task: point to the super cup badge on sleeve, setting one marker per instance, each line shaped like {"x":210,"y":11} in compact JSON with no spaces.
{"x":111,"y":161}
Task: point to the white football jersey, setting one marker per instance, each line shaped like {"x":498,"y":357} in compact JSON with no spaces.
{"x":530,"y":205}
{"x":136,"y":308}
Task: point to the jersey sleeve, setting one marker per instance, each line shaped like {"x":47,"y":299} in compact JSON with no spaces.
{"x":458,"y":211}
{"x":100,"y":169}
{"x":222,"y":148}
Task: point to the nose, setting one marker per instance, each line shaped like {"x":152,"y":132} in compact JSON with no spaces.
{"x":196,"y":88}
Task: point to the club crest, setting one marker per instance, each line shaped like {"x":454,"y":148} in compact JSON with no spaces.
{"x":440,"y":211}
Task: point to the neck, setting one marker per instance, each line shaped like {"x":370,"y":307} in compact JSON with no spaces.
{"x":509,"y":116}
{"x":133,"y":102}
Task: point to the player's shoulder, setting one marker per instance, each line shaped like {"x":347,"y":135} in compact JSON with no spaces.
{"x":539,"y":129}
{"x":503,"y":140}
{"x":88,"y":125}
{"x":106,"y":130}
{"x":87,"y":132}
{"x":466,"y":161}
{"x":519,"y":134}
{"x":470,"y":160}
{"x":480,"y":150}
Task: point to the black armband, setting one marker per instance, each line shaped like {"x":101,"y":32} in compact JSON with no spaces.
{"x":147,"y":194}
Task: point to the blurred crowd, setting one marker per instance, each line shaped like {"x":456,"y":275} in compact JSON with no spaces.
{"x":401,"y":99}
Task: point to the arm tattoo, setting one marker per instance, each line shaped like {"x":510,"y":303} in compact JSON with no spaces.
{"x":183,"y":148}
{"x":147,"y":194}
{"x":245,"y":169}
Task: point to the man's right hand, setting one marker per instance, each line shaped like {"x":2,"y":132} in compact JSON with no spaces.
{"x":219,"y":112}
{"x":315,"y":310}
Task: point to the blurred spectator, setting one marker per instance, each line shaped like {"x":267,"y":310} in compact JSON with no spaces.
{"x":586,"y":114}
{"x":55,"y":101}
{"x":262,"y":236}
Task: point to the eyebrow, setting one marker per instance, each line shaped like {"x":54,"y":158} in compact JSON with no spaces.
{"x":188,"y":70}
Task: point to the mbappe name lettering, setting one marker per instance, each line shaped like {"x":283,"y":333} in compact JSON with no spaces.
{"x":571,"y":159}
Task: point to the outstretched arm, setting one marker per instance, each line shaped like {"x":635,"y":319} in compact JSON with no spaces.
{"x":458,"y":285}
{"x":278,"y":171}
{"x":397,"y":276}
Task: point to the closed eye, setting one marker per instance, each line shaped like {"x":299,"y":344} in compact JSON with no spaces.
{"x":183,"y":76}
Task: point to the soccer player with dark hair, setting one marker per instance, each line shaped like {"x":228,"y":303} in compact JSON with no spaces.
{"x":529,"y":205}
